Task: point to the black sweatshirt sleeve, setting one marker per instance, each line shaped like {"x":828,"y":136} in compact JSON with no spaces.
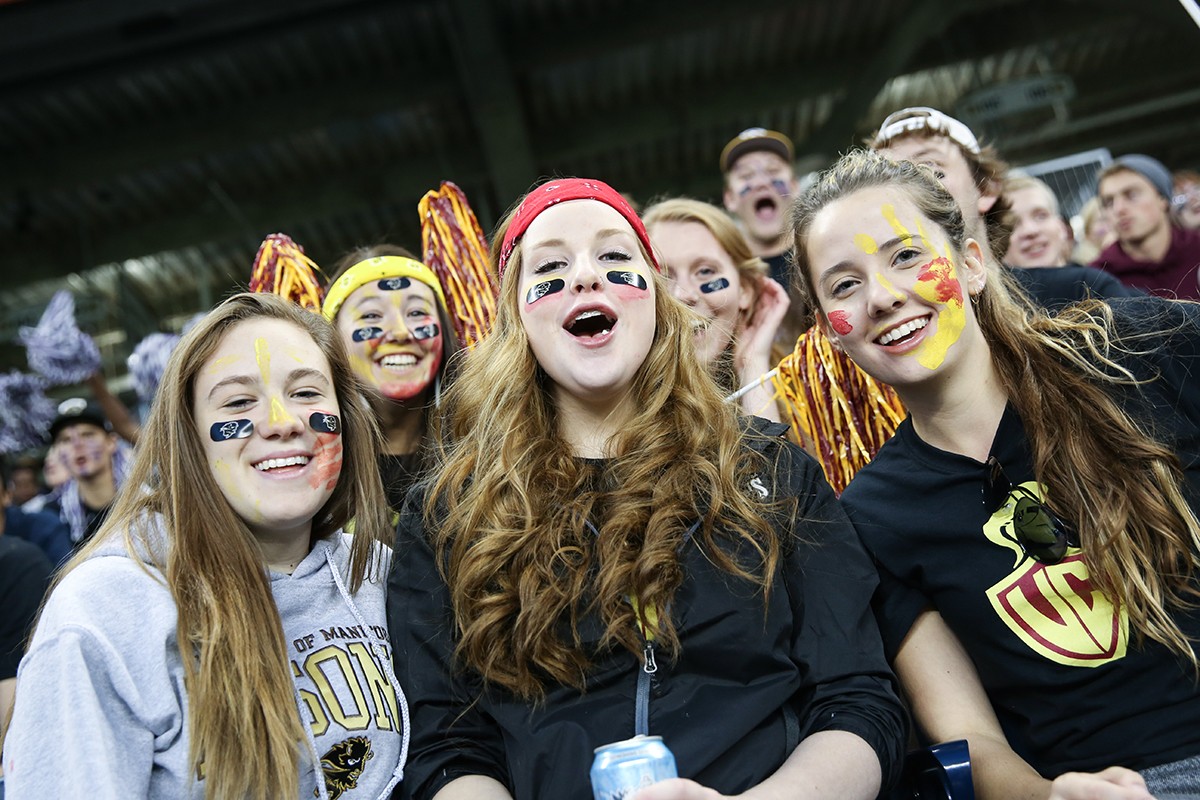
{"x":451,"y":734}
{"x":830,"y":579}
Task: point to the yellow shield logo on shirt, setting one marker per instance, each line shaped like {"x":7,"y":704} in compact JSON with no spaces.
{"x":1054,"y":608}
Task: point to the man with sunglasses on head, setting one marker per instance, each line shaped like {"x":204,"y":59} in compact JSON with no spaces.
{"x":974,"y":174}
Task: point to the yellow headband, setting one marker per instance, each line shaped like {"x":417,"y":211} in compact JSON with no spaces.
{"x":374,"y":269}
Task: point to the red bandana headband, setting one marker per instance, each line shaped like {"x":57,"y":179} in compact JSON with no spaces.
{"x":560,"y":191}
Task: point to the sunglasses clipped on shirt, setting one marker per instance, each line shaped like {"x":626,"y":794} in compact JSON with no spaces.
{"x":1042,"y":534}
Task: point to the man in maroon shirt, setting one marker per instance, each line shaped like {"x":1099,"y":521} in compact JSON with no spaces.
{"x":1150,"y":252}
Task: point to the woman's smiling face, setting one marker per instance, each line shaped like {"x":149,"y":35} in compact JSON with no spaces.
{"x":392,"y":333}
{"x":893,"y":291}
{"x":267,"y":413}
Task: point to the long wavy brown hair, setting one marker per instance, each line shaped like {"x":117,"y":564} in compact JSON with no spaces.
{"x":510,"y":505}
{"x":1102,"y":468}
{"x":243,"y":723}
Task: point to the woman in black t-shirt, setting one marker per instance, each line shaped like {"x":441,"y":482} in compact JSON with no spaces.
{"x":1034,"y":517}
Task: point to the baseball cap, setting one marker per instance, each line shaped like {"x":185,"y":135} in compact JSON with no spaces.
{"x":74,"y":411}
{"x":753,"y":139}
{"x":1149,"y":168}
{"x":923,"y":118}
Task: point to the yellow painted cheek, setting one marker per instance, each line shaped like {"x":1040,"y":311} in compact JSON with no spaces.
{"x":232,"y":488}
{"x":866,"y":244}
{"x":362,"y":365}
{"x":950,"y":324}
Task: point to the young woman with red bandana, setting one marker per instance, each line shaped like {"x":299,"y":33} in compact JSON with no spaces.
{"x":391,"y":312}
{"x":608,"y":548}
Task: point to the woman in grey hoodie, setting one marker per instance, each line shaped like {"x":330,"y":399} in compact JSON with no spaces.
{"x":221,"y":637}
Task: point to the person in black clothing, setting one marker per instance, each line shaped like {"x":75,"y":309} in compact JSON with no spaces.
{"x":1034,"y":518}
{"x":96,"y":463}
{"x":41,"y":528}
{"x":391,"y":312}
{"x":24,"y":576}
{"x":609,"y":549}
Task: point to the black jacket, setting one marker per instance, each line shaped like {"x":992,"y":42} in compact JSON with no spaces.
{"x":744,"y":690}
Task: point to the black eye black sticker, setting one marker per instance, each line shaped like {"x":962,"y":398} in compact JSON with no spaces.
{"x":321,"y":422}
{"x":425,"y":331}
{"x":234,"y":429}
{"x":627,"y":277}
{"x":714,"y":285}
{"x":395,"y":284}
{"x":536,"y":293}
{"x":366,"y":334}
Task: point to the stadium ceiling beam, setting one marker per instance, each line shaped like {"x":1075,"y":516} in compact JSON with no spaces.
{"x":227,"y":129}
{"x":47,"y":47}
{"x":405,"y":180}
{"x":493,"y":101}
{"x":916,"y":31}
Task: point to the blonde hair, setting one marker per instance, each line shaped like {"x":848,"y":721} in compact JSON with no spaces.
{"x":1101,"y":469}
{"x":750,"y":268}
{"x":511,"y":503}
{"x":241,"y":697}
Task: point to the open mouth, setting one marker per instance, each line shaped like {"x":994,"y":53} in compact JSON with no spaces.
{"x":765,"y":206}
{"x":279,"y":463}
{"x":902,"y":333}
{"x":590,"y":323}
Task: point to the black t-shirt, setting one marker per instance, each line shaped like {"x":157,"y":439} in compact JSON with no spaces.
{"x":1071,"y":687}
{"x":780,"y":268}
{"x":399,"y":473}
{"x":1055,"y":287}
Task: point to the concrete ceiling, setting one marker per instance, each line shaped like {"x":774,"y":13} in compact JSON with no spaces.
{"x":147,"y":146}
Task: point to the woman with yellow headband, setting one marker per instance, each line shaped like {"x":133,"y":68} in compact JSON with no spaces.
{"x":391,"y":313}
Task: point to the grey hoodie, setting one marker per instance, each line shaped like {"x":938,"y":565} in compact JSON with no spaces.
{"x":101,"y":710}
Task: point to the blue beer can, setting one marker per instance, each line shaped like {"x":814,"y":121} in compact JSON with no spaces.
{"x":621,"y":768}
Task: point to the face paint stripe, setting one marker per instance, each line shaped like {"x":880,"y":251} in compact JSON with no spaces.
{"x":889,"y":213}
{"x":262,"y":355}
{"x":714,"y":285}
{"x":543,"y":289}
{"x":234,"y":429}
{"x":628,"y":277}
{"x":394,"y":284}
{"x":892,"y":290}
{"x":840,"y":322}
{"x":366,"y":334}
{"x":279,"y":414}
{"x":425,"y":331}
{"x":866,"y":244}
{"x":322,"y":422}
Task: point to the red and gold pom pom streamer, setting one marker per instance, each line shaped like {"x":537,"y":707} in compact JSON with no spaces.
{"x":838,"y":410}
{"x":454,"y":247}
{"x":282,"y":268}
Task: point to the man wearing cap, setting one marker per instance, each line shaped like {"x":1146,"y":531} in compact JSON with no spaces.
{"x":89,"y":450}
{"x":1150,"y":252}
{"x":759,"y":183}
{"x":973,"y":174}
